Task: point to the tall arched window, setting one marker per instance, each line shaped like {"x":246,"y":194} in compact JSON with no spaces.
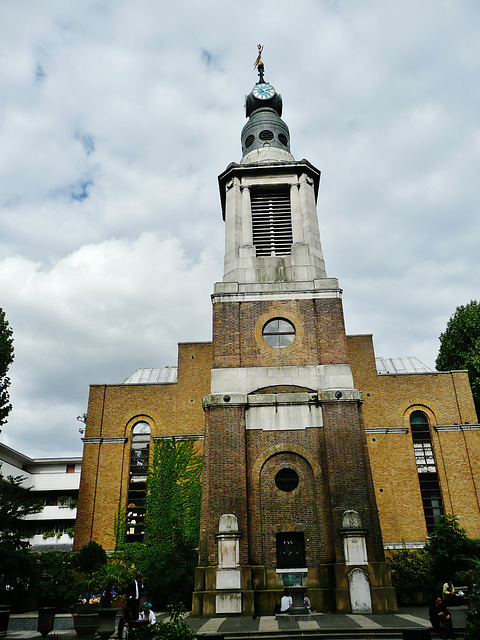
{"x":426,"y":468}
{"x":137,"y":482}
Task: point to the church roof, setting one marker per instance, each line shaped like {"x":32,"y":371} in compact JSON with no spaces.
{"x":406,"y":364}
{"x":153,"y":375}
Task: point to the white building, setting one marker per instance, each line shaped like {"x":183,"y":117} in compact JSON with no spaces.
{"x":56,"y":482}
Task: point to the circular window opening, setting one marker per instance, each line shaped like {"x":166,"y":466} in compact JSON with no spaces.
{"x":249,"y":141}
{"x":283,"y":139}
{"x":287,"y":480}
{"x":279,"y":333}
{"x":265,"y":135}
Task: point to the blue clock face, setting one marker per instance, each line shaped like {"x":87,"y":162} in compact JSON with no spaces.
{"x":263,"y":91}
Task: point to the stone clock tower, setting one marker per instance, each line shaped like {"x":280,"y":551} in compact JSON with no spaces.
{"x":288,"y":498}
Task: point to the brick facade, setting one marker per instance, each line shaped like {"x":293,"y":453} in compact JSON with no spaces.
{"x":113,"y":410}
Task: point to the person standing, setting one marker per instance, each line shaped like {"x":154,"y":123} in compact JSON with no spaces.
{"x":133,"y":593}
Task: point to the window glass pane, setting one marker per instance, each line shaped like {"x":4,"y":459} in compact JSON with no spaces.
{"x":279,"y":333}
{"x":271,"y":340}
{"x":290,"y":550}
{"x":285,"y":341}
{"x":141,"y":428}
{"x":284,"y":326}
{"x":287,"y":480}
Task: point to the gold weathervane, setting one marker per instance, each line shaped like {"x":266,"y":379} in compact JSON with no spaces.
{"x":258,"y":61}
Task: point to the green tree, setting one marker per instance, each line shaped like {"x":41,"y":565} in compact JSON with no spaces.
{"x":460,"y":346}
{"x":90,"y":558}
{"x":168,"y":555}
{"x":412,"y":572}
{"x":448,"y":546}
{"x":16,"y":502}
{"x":6,"y":359}
{"x":58,"y":586}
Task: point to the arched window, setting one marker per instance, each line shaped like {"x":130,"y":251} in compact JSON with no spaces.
{"x":137,"y":485}
{"x":426,"y":468}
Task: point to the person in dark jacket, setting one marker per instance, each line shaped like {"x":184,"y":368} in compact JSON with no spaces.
{"x":441,"y":619}
{"x":133,"y":593}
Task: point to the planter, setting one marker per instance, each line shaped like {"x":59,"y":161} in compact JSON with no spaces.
{"x":46,"y":620}
{"x":417,"y":597}
{"x":106,"y":622}
{"x":4,"y":615}
{"x":85,"y":624}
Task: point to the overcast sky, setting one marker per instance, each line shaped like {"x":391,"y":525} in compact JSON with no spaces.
{"x":116,"y":118}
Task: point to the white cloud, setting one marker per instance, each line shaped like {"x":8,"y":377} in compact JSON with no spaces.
{"x":116,"y":119}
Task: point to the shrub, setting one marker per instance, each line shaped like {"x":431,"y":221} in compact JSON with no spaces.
{"x":90,"y":558}
{"x":412,"y":572}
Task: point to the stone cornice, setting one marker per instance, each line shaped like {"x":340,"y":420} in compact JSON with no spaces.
{"x":195,"y":436}
{"x":457,"y":427}
{"x":386,"y":430}
{"x":396,"y":546}
{"x":104,"y":440}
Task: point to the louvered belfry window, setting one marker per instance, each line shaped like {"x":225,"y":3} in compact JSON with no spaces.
{"x":272,"y":221}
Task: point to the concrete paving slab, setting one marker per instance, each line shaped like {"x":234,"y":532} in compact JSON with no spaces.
{"x":415,"y":619}
{"x":267,"y":623}
{"x":24,"y":626}
{"x":306,"y":625}
{"x":364,"y":621}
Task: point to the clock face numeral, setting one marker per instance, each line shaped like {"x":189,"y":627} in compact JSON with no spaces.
{"x":263,"y":91}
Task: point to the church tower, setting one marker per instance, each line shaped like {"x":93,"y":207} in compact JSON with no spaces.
{"x":288,"y":498}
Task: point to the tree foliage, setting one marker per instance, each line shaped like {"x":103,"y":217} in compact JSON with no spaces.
{"x":6,"y":359}
{"x":90,"y":558}
{"x":448,"y":552}
{"x":411,"y":572}
{"x":114,"y":575}
{"x":448,"y":546}
{"x":58,"y":586}
{"x":16,"y":502}
{"x":460,"y":346}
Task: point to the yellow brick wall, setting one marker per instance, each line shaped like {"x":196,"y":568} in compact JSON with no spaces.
{"x":388,"y":401}
{"x":113,"y":410}
{"x":176,"y":409}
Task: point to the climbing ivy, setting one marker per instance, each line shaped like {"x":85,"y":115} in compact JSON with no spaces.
{"x":168,"y":555}
{"x":173,"y":494}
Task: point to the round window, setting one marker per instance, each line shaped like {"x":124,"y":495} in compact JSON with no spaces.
{"x":287,"y":480}
{"x":265,"y":135}
{"x":279,"y":333}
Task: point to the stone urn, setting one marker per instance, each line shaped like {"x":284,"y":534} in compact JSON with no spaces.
{"x":86,"y":624}
{"x":106,"y":621}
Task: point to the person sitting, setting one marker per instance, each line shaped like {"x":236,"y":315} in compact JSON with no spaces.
{"x":147,"y":614}
{"x":441,"y":619}
{"x":307,"y":604}
{"x":286,"y":601}
{"x":448,"y":592}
